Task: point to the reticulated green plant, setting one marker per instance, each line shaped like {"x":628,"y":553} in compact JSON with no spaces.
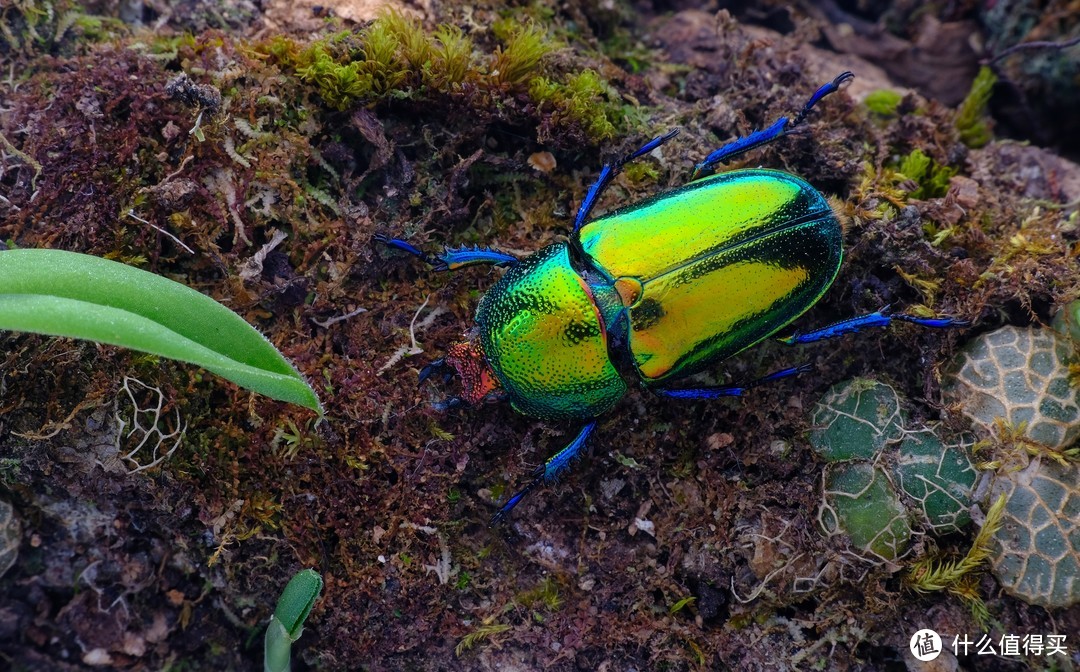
{"x":1014,"y":385}
{"x":1017,"y":379}
{"x":971,"y":120}
{"x":859,"y":501}
{"x":937,"y":477}
{"x":856,"y":419}
{"x":883,"y":476}
{"x":60,"y":293}
{"x":1036,"y":552}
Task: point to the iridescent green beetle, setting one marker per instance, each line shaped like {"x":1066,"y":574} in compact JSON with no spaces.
{"x":651,"y":293}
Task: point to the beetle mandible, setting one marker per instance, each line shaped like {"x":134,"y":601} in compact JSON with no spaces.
{"x":652,"y":292}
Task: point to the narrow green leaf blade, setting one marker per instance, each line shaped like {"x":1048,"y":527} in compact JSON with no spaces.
{"x":69,"y":294}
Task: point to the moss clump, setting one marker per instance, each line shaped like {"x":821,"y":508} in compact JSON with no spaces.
{"x":584,"y":98}
{"x":883,"y":102}
{"x":395,"y":58}
{"x":971,"y":121}
{"x":517,"y":60}
{"x":933,"y":179}
{"x":373,"y":68}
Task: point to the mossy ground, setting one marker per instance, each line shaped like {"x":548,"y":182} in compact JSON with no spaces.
{"x":388,"y":498}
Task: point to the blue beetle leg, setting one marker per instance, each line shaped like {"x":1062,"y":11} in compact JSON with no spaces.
{"x":732,"y":391}
{"x":779,"y":128}
{"x":933,"y":322}
{"x":548,"y":472}
{"x":881,"y":318}
{"x":450,"y":259}
{"x":451,"y":402}
{"x":608,"y":173}
{"x":824,"y":90}
{"x":432,"y":368}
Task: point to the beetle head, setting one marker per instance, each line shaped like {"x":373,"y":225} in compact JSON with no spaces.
{"x":467,"y":359}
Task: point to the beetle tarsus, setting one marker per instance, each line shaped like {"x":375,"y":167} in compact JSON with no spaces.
{"x":734,"y":390}
{"x":608,"y":173}
{"x":432,"y":368}
{"x":550,"y":471}
{"x":933,"y":322}
{"x":451,"y":402}
{"x":778,"y":129}
{"x":882,"y":318}
{"x":451,"y":259}
{"x":823,"y":90}
{"x":503,"y":512}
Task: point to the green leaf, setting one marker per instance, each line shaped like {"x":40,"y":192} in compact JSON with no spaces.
{"x":60,"y":293}
{"x":296,"y":601}
{"x":287,"y":623}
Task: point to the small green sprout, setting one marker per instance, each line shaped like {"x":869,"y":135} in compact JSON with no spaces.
{"x":524,"y":45}
{"x":287,"y":623}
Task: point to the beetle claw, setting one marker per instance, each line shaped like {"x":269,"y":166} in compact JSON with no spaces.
{"x":433,"y":367}
{"x":452,"y":402}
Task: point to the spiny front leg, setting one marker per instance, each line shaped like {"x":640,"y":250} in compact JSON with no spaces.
{"x":451,"y":259}
{"x":548,"y":472}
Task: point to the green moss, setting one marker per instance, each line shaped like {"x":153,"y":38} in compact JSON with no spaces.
{"x":933,"y":179}
{"x":883,"y":102}
{"x":518,"y":59}
{"x":452,"y":58}
{"x":394,"y":57}
{"x":338,"y":84}
{"x":584,"y":98}
{"x":971,"y":116}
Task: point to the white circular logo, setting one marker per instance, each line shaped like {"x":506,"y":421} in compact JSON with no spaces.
{"x":925,"y":645}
